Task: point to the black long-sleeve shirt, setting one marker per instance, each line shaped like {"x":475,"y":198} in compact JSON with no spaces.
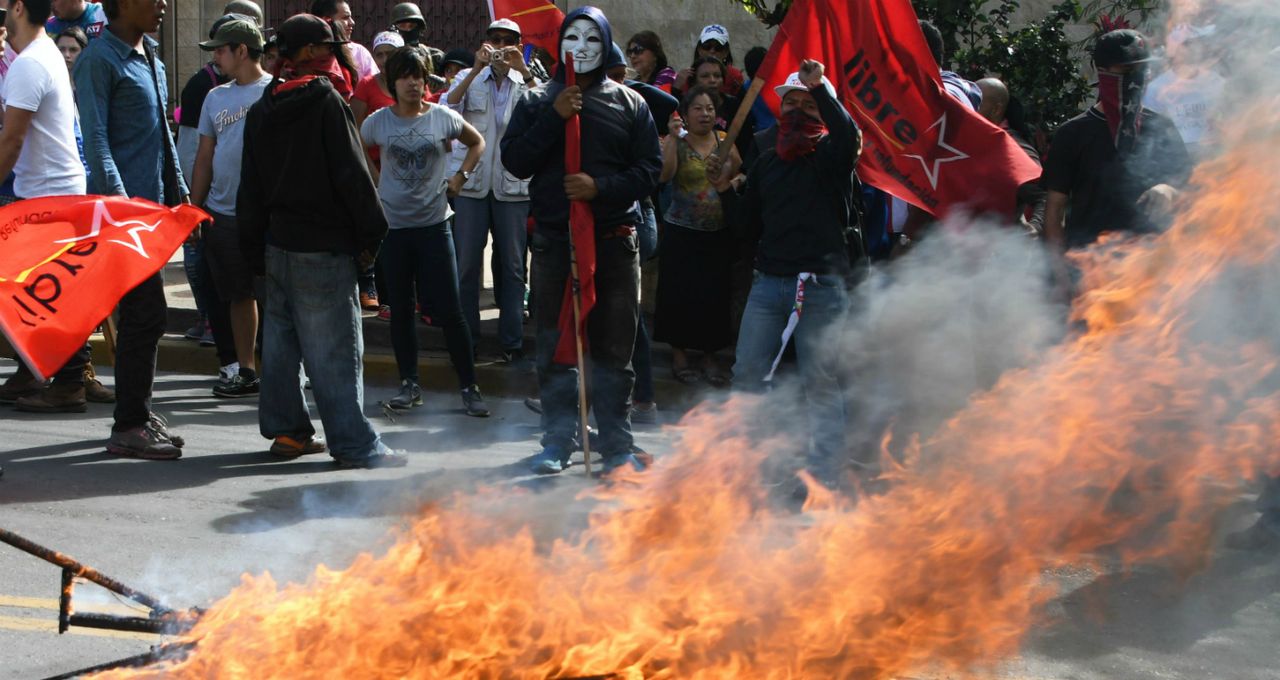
{"x":619,"y":151}
{"x":304,"y":185}
{"x":795,"y":214}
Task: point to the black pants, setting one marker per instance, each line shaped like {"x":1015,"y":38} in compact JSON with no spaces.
{"x":422,"y":258}
{"x":142,"y":321}
{"x":611,"y":336}
{"x":72,"y":372}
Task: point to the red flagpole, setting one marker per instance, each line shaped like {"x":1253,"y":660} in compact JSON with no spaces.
{"x":573,"y":165}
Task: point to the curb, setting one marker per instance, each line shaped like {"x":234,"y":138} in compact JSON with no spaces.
{"x":178,"y":354}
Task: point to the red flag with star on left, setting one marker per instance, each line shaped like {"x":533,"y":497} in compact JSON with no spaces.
{"x":920,"y":143}
{"x":67,"y":260}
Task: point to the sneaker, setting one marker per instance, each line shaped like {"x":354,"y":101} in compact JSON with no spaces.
{"x":384,"y":313}
{"x":637,"y":459}
{"x":410,"y":395}
{"x":511,"y":356}
{"x":20,"y":384}
{"x":239,"y":387}
{"x":550,"y":461}
{"x":56,"y":398}
{"x":291,"y":447}
{"x":197,"y":331}
{"x":147,"y":442}
{"x":228,"y":373}
{"x":644,"y":413}
{"x":206,"y":340}
{"x":389,"y":459}
{"x":1255,"y":538}
{"x":369,"y":302}
{"x":162,"y":426}
{"x":533,"y":404}
{"x":473,"y":402}
{"x":94,"y":390}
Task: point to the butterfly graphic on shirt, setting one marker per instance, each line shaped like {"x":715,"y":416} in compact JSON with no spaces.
{"x":411,"y":154}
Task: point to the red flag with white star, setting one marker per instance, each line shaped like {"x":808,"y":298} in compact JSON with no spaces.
{"x":67,"y":260}
{"x":920,"y":144}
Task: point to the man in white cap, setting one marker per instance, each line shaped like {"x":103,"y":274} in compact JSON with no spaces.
{"x":492,"y":199}
{"x":795,"y":207}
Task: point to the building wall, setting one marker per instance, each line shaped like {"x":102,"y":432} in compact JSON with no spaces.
{"x":186,"y":23}
{"x":678,"y":23}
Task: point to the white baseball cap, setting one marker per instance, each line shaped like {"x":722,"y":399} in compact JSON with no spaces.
{"x":793,"y":83}
{"x":387,"y":38}
{"x":504,"y":25}
{"x":714,"y":32}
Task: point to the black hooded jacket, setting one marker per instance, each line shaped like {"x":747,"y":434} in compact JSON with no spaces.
{"x":619,"y":145}
{"x":304,"y":185}
{"x":795,"y":214}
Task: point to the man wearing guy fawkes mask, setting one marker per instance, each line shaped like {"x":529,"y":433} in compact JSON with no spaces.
{"x":621,"y":161}
{"x":1118,"y":165}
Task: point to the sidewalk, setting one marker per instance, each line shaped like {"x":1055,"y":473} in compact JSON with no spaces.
{"x":494,"y":376}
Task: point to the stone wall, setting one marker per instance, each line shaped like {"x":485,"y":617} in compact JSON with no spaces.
{"x":186,"y":23}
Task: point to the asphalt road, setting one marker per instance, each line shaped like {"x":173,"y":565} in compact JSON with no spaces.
{"x":187,"y":530}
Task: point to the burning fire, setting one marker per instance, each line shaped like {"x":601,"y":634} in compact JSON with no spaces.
{"x":1122,"y":443}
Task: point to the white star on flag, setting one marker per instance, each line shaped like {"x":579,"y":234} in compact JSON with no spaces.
{"x":100,"y":215}
{"x":932,"y":173}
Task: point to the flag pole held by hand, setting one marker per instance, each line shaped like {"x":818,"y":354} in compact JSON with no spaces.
{"x":573,"y":165}
{"x":740,"y":119}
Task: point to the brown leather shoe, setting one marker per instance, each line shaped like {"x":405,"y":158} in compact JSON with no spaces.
{"x":55,"y":398}
{"x":20,"y":384}
{"x":94,"y":390}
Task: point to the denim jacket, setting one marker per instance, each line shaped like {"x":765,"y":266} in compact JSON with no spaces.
{"x":122,"y":120}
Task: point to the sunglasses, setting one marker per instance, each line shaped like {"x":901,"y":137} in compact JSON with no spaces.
{"x":713,"y":46}
{"x":637,"y":50}
{"x":503,"y":40}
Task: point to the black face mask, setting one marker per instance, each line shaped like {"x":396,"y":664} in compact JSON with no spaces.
{"x":412,"y":37}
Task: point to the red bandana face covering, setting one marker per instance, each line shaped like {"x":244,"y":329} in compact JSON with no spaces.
{"x":798,"y":135}
{"x":326,"y":66}
{"x":1121,"y":98}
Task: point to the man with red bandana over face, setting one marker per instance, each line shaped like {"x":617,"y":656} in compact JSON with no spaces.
{"x":795,"y":207}
{"x":621,"y":161}
{"x":309,"y":219}
{"x":1117,"y":165}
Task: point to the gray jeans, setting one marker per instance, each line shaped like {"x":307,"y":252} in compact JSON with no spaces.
{"x":474,"y":219}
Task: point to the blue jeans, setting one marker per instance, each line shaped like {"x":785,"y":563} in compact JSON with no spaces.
{"x":826,"y":304}
{"x":642,"y":359}
{"x":1269,"y":505}
{"x":422,"y":258}
{"x":611,"y":337}
{"x":473,"y":220}
{"x":313,"y":315}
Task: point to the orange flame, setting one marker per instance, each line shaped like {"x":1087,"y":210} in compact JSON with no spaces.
{"x":1125,"y":440}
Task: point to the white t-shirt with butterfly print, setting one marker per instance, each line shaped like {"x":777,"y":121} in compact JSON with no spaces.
{"x":412,"y":185}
